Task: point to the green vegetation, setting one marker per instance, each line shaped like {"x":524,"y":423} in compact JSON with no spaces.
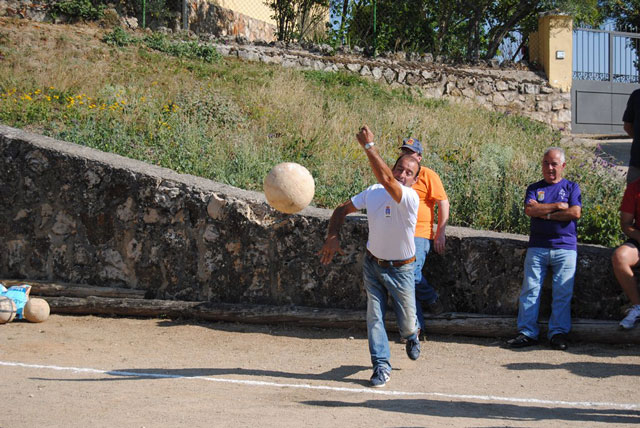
{"x":160,"y":42}
{"x":79,"y":9}
{"x":232,"y":121}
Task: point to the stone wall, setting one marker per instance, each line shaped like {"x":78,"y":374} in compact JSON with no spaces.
{"x":74,"y":214}
{"x":205,"y":17}
{"x":503,"y":89}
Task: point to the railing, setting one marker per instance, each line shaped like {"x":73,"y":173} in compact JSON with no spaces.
{"x":606,"y":55}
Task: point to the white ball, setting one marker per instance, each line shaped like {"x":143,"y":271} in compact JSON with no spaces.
{"x":36,"y":310}
{"x":7,"y":310}
{"x":289,"y":187}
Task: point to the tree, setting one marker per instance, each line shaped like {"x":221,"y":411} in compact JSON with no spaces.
{"x":296,"y":19}
{"x":626,"y":13}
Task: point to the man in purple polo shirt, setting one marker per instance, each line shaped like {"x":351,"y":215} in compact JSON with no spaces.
{"x":554,"y":205}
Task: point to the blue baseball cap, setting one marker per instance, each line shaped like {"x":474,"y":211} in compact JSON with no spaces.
{"x":412,"y":144}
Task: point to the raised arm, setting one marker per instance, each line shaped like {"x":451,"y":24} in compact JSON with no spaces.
{"x":380,"y":169}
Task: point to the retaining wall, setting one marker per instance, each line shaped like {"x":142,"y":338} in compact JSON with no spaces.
{"x":74,"y":214}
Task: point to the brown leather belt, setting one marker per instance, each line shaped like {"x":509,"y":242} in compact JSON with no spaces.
{"x":390,"y":263}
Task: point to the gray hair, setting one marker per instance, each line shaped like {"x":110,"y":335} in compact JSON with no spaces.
{"x":556,"y":149}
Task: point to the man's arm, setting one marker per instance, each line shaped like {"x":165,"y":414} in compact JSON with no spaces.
{"x":380,"y":169}
{"x":534,"y":208}
{"x":627,"y":225}
{"x":628,"y":128}
{"x":559,"y":211}
{"x":443,"y":218}
{"x":332,"y":243}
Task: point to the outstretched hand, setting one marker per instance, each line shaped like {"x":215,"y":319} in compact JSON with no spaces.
{"x":329,"y":249}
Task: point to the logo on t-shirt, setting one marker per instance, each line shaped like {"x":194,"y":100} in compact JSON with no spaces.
{"x":387,"y":211}
{"x":540,"y":196}
{"x":562,"y":193}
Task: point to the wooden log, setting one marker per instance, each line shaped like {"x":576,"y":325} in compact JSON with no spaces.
{"x":42,"y":288}
{"x":594,"y":331}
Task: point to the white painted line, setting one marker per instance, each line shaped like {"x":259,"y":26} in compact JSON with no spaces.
{"x":587,"y":404}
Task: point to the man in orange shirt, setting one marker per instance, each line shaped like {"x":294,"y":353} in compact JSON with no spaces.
{"x":431,"y":192}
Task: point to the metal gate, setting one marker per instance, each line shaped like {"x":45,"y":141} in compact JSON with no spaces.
{"x":605,"y":72}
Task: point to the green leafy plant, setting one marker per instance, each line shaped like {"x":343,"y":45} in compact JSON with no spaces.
{"x":118,"y":37}
{"x":79,"y":9}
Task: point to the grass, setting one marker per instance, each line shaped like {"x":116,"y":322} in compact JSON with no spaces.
{"x":179,"y":105}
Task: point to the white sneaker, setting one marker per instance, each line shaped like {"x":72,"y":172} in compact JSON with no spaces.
{"x":632,"y":318}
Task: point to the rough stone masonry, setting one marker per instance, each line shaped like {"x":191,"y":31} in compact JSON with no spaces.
{"x":69,"y":213}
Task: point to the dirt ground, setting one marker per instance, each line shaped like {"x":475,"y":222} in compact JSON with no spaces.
{"x":120,"y":372}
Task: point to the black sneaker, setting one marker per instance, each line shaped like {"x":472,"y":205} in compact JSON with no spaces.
{"x":559,"y":342}
{"x":521,"y":341}
{"x":413,"y":348}
{"x":380,"y":377}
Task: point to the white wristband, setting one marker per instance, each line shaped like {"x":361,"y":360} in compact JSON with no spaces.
{"x":369,"y":145}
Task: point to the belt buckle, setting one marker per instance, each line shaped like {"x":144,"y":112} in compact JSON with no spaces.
{"x":384,"y":263}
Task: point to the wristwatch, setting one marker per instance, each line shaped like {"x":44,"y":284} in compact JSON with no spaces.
{"x":369,"y":145}
{"x":548,"y":216}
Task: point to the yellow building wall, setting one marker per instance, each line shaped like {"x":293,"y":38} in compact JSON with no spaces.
{"x":555,"y":45}
{"x":252,"y":8}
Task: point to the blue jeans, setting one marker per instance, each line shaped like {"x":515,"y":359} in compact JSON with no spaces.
{"x":563,"y":266}
{"x":380,"y":283}
{"x":424,"y":291}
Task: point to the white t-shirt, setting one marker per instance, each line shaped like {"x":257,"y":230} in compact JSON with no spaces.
{"x":391,"y":224}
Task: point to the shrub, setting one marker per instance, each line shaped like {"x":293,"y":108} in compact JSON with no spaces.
{"x":79,"y":9}
{"x":118,"y":37}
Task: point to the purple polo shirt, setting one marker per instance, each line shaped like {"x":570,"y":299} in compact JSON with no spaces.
{"x":551,"y":233}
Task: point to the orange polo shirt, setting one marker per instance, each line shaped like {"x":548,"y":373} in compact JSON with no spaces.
{"x":429,"y":189}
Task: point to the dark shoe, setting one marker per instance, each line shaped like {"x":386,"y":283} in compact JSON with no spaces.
{"x":435,"y":308}
{"x":379,"y":377}
{"x":559,"y":342}
{"x":413,"y":348}
{"x":521,"y":341}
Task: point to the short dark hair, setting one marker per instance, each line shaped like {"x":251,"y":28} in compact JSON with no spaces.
{"x":412,"y":159}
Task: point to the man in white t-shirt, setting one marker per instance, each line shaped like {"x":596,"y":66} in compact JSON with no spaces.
{"x":392,"y":212}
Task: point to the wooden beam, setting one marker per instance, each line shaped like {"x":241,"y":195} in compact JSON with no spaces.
{"x":594,"y":331}
{"x":42,"y":288}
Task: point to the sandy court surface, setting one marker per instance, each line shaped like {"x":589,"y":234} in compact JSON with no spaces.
{"x":120,"y":372}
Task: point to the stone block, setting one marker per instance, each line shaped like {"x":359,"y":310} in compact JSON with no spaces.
{"x":502,"y":85}
{"x":485,"y":88}
{"x":543,"y":106}
{"x":353,"y":67}
{"x":564,"y":116}
{"x":413,"y":79}
{"x":499,"y":100}
{"x":389,"y":75}
{"x":365,"y":71}
{"x":469,"y":93}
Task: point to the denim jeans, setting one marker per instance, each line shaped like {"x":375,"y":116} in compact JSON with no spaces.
{"x":380,"y":283}
{"x":563,"y":266}
{"x":424,"y":291}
